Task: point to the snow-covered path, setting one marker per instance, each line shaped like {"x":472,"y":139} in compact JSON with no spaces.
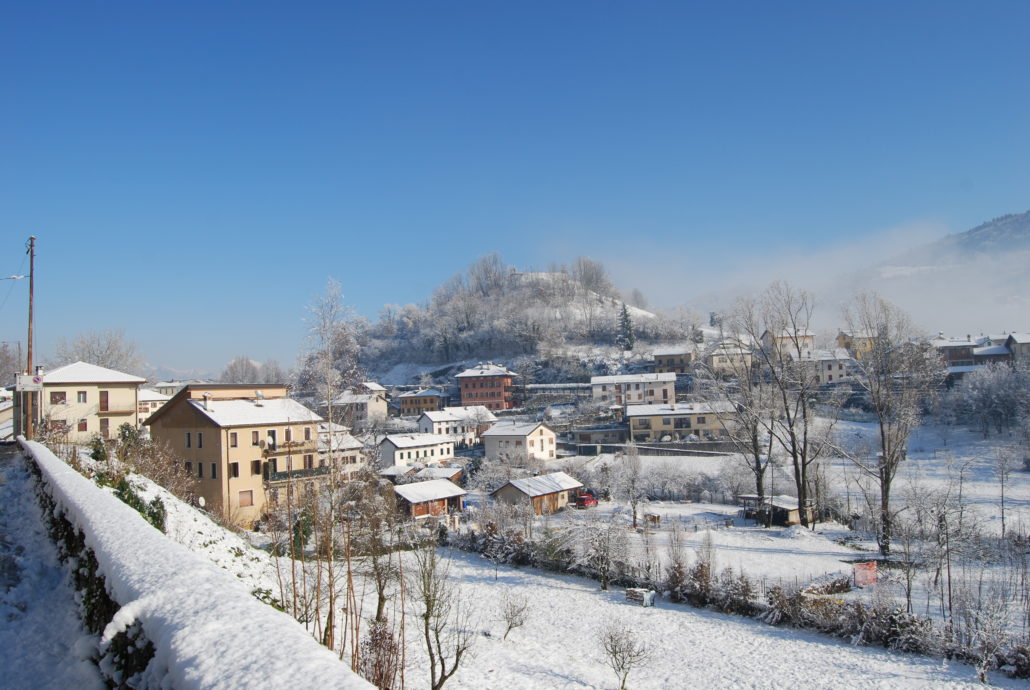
{"x":39,"y":625}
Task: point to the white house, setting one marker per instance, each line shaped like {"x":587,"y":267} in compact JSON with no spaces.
{"x":412,"y":449}
{"x":523,"y":439}
{"x":827,"y":366}
{"x":634,"y":389}
{"x":463,"y":424}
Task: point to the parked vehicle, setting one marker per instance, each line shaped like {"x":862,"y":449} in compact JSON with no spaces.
{"x":586,"y":499}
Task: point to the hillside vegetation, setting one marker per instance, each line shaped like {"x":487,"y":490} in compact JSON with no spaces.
{"x":494,"y":310}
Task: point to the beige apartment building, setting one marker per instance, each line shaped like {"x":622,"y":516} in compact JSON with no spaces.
{"x":244,"y":443}
{"x":416,"y":449}
{"x":727,"y":358}
{"x":679,"y":421}
{"x":150,"y":401}
{"x":84,"y":399}
{"x":526,"y":440}
{"x":675,"y":359}
{"x":634,"y":389}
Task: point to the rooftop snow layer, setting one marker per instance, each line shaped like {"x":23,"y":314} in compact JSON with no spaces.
{"x":507,"y":428}
{"x":226,"y":413}
{"x":545,"y":484}
{"x":432,"y":490}
{"x":415,"y":440}
{"x":714,"y":407}
{"x":634,"y":378}
{"x":81,"y":372}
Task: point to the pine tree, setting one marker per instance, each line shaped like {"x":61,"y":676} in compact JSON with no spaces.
{"x":626,"y":339}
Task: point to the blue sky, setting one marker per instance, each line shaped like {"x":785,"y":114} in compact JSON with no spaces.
{"x":195,"y":171}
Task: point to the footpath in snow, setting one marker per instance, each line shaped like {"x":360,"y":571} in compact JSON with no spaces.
{"x":41,"y":637}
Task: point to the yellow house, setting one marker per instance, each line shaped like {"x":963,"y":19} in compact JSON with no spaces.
{"x":856,"y":343}
{"x":85,"y":399}
{"x":243,"y":442}
{"x":150,"y":401}
{"x":675,"y":359}
{"x":728,"y":358}
{"x":679,"y":421}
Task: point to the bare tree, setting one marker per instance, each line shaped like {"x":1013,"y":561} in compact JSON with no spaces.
{"x":514,"y":611}
{"x":899,"y":376}
{"x":241,"y":369}
{"x":623,"y":650}
{"x":10,"y":364}
{"x":445,"y":617}
{"x":629,"y":482}
{"x":592,"y":275}
{"x":110,"y":349}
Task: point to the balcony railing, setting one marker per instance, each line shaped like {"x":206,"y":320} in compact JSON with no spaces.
{"x":273,"y":477}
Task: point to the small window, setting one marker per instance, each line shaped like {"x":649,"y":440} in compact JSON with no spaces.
{"x":246,"y":499}
{"x":189,"y":441}
{"x":255,"y":467}
{"x":232,"y":439}
{"x":234,"y":469}
{"x":189,"y":467}
{"x":214,"y":472}
{"x":80,"y":396}
{"x":307,"y":433}
{"x":57,"y":397}
{"x":309,"y":462}
{"x":200,"y":439}
{"x":255,"y":438}
{"x":82,"y":425}
{"x":289,"y":435}
{"x":200,"y":470}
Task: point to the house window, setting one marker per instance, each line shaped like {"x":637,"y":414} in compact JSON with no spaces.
{"x":82,"y":425}
{"x":246,"y":499}
{"x":232,"y":439}
{"x":188,"y":440}
{"x":200,"y":439}
{"x":289,"y":435}
{"x":309,"y":462}
{"x":255,"y":438}
{"x":189,"y":467}
{"x":214,"y":472}
{"x":80,"y":396}
{"x":255,"y":467}
{"x":307,"y":433}
{"x":234,"y":469}
{"x":200,"y":470}
{"x":58,"y":397}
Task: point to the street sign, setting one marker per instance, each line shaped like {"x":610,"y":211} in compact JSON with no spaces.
{"x":29,"y":383}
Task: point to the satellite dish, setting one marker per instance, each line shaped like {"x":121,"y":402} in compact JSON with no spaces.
{"x":259,"y":395}
{"x":201,"y":501}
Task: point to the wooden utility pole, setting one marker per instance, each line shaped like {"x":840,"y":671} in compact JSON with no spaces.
{"x":28,"y":394}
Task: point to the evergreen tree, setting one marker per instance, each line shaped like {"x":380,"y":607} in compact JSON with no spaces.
{"x":626,"y":338}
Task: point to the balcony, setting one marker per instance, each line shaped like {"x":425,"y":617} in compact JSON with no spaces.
{"x":291,"y":448}
{"x":293,"y":475}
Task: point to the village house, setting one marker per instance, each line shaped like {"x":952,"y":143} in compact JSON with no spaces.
{"x":416,"y":449}
{"x":991,"y":354}
{"x":727,"y":358}
{"x":359,"y":407}
{"x":340,"y":450}
{"x":825,"y":366}
{"x":489,"y":385}
{"x":170,"y":388}
{"x":857,"y":343}
{"x":452,"y":473}
{"x":463,"y":424}
{"x":675,"y":359}
{"x":777,"y":510}
{"x":150,"y":401}
{"x":1019,"y":345}
{"x":795,"y":340}
{"x":83,"y":399}
{"x":955,"y":352}
{"x":547,"y":493}
{"x":512,"y":439}
{"x":414,"y":403}
{"x":679,"y":421}
{"x":429,"y":499}
{"x":239,"y":440}
{"x":633,"y":389}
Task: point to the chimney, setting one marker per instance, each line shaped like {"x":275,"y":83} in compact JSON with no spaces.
{"x":207,"y":398}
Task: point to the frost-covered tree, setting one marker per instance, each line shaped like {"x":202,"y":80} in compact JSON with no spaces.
{"x":899,"y":376}
{"x":241,"y":369}
{"x":603,"y":547}
{"x":109,"y":349}
{"x":624,"y":649}
{"x":626,"y":339}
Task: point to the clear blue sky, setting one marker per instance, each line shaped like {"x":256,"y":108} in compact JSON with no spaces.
{"x":195,"y":171}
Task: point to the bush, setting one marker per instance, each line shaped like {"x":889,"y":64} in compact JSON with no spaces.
{"x":736,"y":594}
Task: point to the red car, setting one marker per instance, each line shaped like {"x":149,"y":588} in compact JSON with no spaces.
{"x":586,"y":499}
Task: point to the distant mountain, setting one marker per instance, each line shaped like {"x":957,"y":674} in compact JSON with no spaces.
{"x":995,"y":238}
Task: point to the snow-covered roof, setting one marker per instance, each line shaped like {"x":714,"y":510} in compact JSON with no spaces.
{"x":81,"y":372}
{"x":341,"y":438}
{"x":475,"y":413}
{"x":634,"y":378}
{"x":396,"y":470}
{"x":991,"y":350}
{"x":788,"y":334}
{"x":835,"y":355}
{"x":941,"y":343}
{"x":227,"y":413}
{"x":965,"y":368}
{"x":415,"y":440}
{"x":1021,"y":338}
{"x":714,"y":407}
{"x":373,"y":386}
{"x":512,"y":428}
{"x":432,"y":490}
{"x":437,"y":472}
{"x":488,"y":369}
{"x":352,"y":398}
{"x":147,"y":395}
{"x":675,"y":350}
{"x":544,"y":484}
{"x":425,"y":392}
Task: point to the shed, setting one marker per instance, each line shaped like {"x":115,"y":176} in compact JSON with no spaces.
{"x":548,"y":493}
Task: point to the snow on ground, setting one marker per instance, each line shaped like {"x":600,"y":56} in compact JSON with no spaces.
{"x":692,"y":648}
{"x":42,"y":641}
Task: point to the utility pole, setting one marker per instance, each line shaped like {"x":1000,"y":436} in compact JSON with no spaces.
{"x":32,"y":278}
